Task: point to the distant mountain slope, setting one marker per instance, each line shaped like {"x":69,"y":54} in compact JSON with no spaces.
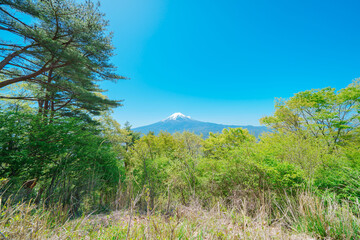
{"x":178,"y":122}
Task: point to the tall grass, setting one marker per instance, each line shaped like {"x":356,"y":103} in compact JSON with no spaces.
{"x":323,"y":218}
{"x":303,"y":217}
{"x":27,"y":221}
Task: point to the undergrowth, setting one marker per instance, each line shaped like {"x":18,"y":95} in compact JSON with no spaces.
{"x":305,"y":217}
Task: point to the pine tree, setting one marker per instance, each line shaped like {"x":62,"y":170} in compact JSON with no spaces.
{"x":60,"y":49}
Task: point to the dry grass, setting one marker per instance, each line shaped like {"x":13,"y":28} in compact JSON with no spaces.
{"x":188,"y":223}
{"x":24,"y":221}
{"x":306,"y":217}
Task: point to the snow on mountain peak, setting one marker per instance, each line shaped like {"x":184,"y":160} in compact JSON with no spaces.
{"x":177,"y":116}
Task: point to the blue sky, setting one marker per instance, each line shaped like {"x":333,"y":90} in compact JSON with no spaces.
{"x":226,"y":61}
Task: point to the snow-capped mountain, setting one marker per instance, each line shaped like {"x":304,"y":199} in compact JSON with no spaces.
{"x":179,"y":122}
{"x":177,"y":116}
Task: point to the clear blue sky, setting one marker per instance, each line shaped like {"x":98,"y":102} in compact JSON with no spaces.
{"x":226,"y":61}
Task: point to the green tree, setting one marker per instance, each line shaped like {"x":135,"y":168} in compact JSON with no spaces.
{"x":64,"y":50}
{"x":68,"y":160}
{"x":217,"y":145}
{"x":332,"y":115}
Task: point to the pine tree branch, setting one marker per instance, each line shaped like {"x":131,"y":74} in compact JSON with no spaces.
{"x":7,"y":13}
{"x":13,"y":55}
{"x":32,"y":75}
{"x":20,"y":98}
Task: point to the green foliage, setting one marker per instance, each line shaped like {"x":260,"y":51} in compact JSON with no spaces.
{"x":282,"y":176}
{"x":220,"y":144}
{"x":342,"y":181}
{"x":333,"y":116}
{"x":60,"y":158}
{"x":165,"y":163}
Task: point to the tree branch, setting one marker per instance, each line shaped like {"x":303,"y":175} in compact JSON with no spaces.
{"x":32,"y":75}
